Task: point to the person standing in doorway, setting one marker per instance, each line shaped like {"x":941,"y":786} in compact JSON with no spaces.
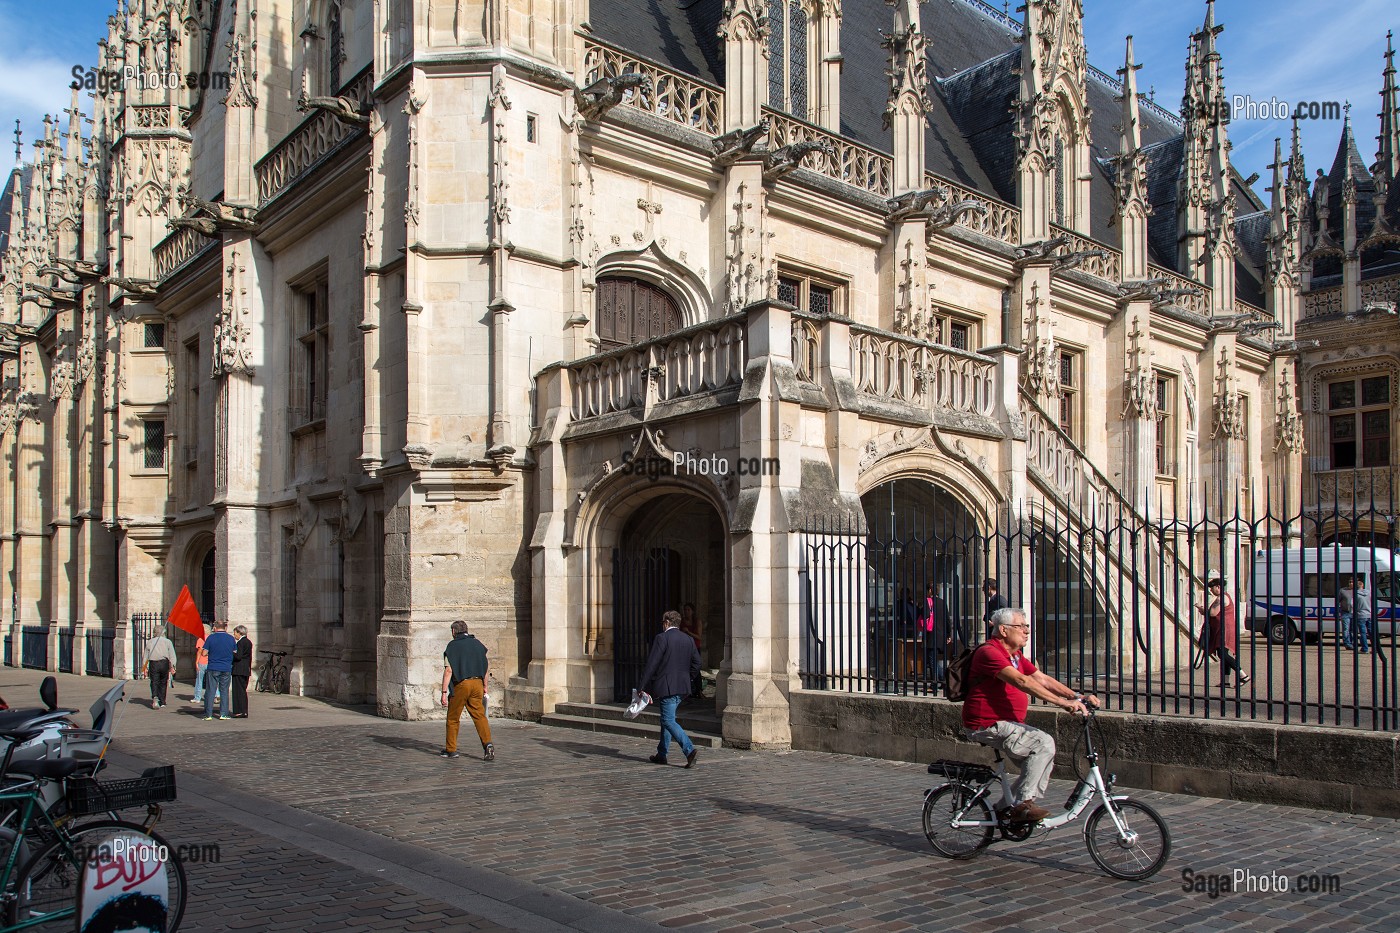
{"x":465,"y":680}
{"x":159,"y":666}
{"x":1361,"y":613}
{"x":221,"y":646}
{"x":995,"y":601}
{"x":201,"y":667}
{"x":690,"y":624}
{"x":670,"y":666}
{"x":1346,"y":600}
{"x":242,"y":670}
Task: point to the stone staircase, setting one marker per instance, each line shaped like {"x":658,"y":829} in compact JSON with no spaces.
{"x":699,"y":720}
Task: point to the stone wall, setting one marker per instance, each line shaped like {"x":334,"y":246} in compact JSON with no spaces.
{"x":1347,"y":770}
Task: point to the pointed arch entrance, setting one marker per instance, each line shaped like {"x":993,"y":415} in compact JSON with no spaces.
{"x":670,"y":552}
{"x":925,"y":547}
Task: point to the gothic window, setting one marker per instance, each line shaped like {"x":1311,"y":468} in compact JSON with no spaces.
{"x":336,"y":47}
{"x":1358,"y":422}
{"x":153,"y":444}
{"x":1165,"y":440}
{"x":1058,"y":202}
{"x":193,"y":371}
{"x":632,"y":311}
{"x":805,"y":293}
{"x":787,"y":57}
{"x":153,"y":335}
{"x":311,"y":352}
{"x":1071,"y":393}
{"x":951,"y":331}
{"x":208,"y":584}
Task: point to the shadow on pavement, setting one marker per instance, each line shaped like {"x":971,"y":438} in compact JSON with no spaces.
{"x":407,"y":744}
{"x":827,"y":822}
{"x":585,"y":749}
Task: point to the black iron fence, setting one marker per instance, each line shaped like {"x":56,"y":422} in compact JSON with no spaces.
{"x":1119,"y":605}
{"x":101,"y":646}
{"x":65,"y":651}
{"x":144,"y":626}
{"x":34,"y":647}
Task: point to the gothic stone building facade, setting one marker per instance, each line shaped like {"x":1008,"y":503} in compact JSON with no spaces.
{"x":395,"y":328}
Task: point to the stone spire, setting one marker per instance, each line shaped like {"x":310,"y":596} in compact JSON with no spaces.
{"x":743,"y":28}
{"x":1388,"y":155}
{"x":909,"y":103}
{"x":1281,"y":250}
{"x":1351,"y":259}
{"x":1132,"y":207}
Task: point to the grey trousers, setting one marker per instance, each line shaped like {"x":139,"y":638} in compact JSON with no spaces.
{"x":1030,"y":749}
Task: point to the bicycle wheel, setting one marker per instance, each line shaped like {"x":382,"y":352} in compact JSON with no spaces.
{"x":264,"y":679}
{"x":49,"y":881}
{"x":280,"y":680}
{"x":941,"y":807}
{"x":1139,"y":854}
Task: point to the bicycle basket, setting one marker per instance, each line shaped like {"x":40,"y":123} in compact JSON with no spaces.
{"x":969,"y":772}
{"x":86,"y":796}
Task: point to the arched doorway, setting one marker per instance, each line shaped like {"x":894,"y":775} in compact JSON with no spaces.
{"x":923,"y":544}
{"x":670,"y":554}
{"x":207,"y":582}
{"x":633,"y":311}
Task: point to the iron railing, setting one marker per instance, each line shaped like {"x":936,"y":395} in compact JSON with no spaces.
{"x":144,"y":626}
{"x":101,"y":649}
{"x":34,"y":647}
{"x":1118,"y":604}
{"x":65,"y":651}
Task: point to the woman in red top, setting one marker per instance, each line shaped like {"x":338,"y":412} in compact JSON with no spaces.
{"x":1220,"y":629}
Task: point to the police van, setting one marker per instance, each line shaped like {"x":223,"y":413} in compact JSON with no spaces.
{"x":1295,"y":589}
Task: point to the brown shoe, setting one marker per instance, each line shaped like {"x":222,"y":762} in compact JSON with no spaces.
{"x":1026,"y":812}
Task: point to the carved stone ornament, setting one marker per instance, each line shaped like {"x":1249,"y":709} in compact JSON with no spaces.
{"x":1288,"y":429}
{"x":1140,"y":382}
{"x":745,"y":20}
{"x":1229,"y":403}
{"x":908,"y":73}
{"x":244,"y":76}
{"x":1039,"y":363}
{"x":9,"y":414}
{"x":231,"y":351}
{"x":61,"y":380}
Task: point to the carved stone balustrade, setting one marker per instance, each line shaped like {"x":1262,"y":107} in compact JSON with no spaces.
{"x":1104,"y":266}
{"x":684,"y":100}
{"x":690,"y":362}
{"x":304,"y":148}
{"x":1194,"y":296}
{"x":1000,"y":222}
{"x":901,"y":369}
{"x":178,"y":249}
{"x":854,"y":164}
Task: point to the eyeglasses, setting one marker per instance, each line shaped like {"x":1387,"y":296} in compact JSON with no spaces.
{"x":1024,"y":626}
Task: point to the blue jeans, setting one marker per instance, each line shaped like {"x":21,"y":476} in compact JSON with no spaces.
{"x":672,"y":729}
{"x":222,"y":681}
{"x":1360,"y":629}
{"x":199,"y":673}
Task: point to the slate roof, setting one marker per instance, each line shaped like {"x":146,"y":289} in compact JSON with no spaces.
{"x":973,"y":50}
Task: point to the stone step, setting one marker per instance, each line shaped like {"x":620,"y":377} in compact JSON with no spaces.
{"x":702,"y":719}
{"x":637,"y":728}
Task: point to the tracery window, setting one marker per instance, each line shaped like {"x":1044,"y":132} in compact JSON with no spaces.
{"x":632,"y":311}
{"x":787,"y":57}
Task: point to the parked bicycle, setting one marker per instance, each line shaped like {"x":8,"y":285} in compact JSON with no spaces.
{"x":40,"y":888}
{"x":1125,"y":837}
{"x":273,"y":676}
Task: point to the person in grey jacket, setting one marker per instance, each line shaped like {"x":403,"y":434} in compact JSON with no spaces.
{"x":159,"y":666}
{"x":670,"y":666}
{"x":1361,"y":613}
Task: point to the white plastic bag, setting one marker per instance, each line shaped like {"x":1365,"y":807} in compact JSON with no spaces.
{"x":639,"y":702}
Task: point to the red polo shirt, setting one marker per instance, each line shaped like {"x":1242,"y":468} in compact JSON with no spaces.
{"x":989,"y":698}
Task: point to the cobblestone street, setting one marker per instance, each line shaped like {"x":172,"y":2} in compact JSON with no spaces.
{"x":348,"y":822}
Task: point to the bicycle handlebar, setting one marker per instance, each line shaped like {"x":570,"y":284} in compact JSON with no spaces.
{"x":279,"y":654}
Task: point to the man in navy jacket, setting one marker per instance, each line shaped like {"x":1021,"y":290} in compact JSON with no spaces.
{"x":670,"y":666}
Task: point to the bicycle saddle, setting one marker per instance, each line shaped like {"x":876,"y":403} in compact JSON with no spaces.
{"x":47,"y":768}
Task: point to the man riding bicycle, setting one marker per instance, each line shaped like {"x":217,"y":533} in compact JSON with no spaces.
{"x":1000,"y":684}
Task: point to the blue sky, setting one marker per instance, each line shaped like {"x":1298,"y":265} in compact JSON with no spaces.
{"x":1286,"y":49}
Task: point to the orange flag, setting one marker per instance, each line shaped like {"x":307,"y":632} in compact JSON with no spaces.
{"x":185,"y":616}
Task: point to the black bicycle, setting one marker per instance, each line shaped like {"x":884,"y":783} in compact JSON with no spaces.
{"x":273,"y":676}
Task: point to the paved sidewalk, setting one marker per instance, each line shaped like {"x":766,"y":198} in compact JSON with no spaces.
{"x":576,"y":830}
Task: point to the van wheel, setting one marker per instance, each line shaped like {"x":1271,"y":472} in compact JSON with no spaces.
{"x":1282,"y":631}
